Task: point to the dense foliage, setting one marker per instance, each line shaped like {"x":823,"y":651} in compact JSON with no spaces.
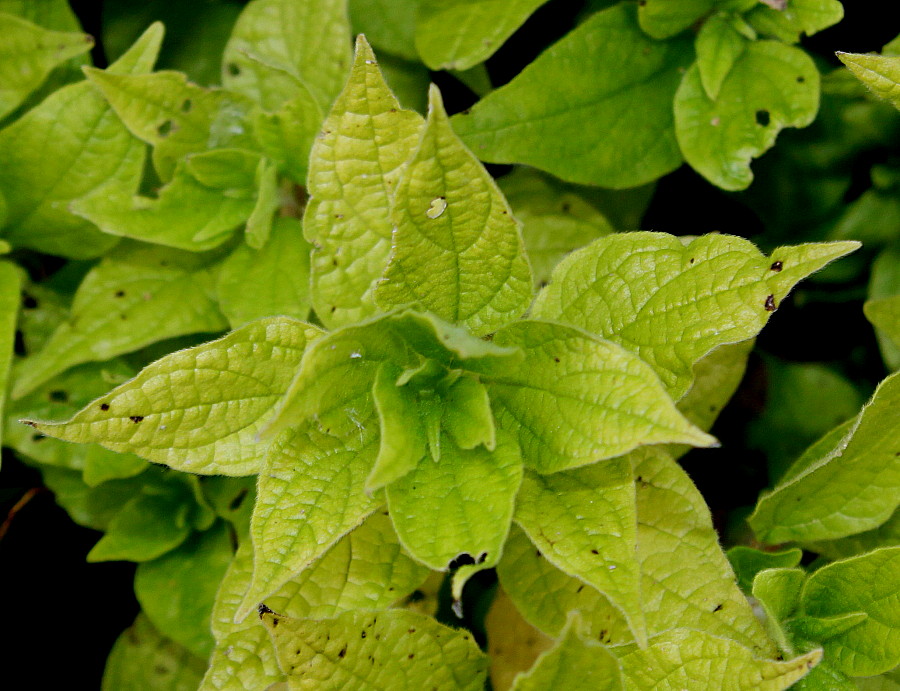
{"x":367,"y":414}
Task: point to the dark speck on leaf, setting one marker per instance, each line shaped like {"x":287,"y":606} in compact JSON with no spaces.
{"x":416,"y":596}
{"x":238,"y":500}
{"x":29,"y":302}
{"x":542,"y":284}
{"x":763,"y":118}
{"x":411,"y":631}
{"x":593,"y":551}
{"x":104,"y":406}
{"x":717,"y":608}
{"x":691,"y":261}
{"x":262,"y":609}
{"x":482,"y":557}
{"x":37,"y":436}
{"x":333,"y":309}
{"x":19,"y":344}
{"x":362,"y":635}
{"x":537,"y":553}
{"x":165,"y":128}
{"x":342,"y":652}
{"x":120,"y":293}
{"x":566,"y":207}
{"x":770,"y":303}
{"x":460,"y":560}
{"x":187,"y":105}
{"x":410,"y":656}
{"x":777,"y":266}
{"x":233,"y":69}
{"x":58,"y":396}
{"x":556,"y":359}
{"x":801,"y":79}
{"x":136,"y":418}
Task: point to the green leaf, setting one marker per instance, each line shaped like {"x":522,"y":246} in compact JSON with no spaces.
{"x":684,"y":298}
{"x":777,"y":591}
{"x":884,"y":682}
{"x":28,"y":54}
{"x":10,"y":297}
{"x":70,"y":145}
{"x":574,"y":664}
{"x":771,"y":86}
{"x":665,"y":18}
{"x":273,"y":280}
{"x":277,"y":44}
{"x":719,"y":44}
{"x":460,"y":505}
{"x":311,"y":493}
{"x":365,"y":570}
{"x":747,"y":562}
{"x":53,"y":14}
{"x":199,"y":410}
{"x":795,"y":18}
{"x":174,"y":116}
{"x":584,"y":522}
{"x":388,"y":24}
{"x":555,"y":219}
{"x":884,"y":282}
{"x":353,"y":172}
{"x":456,"y":250}
{"x":885,"y":535}
{"x":142,"y":659}
{"x":136,"y":296}
{"x":175,"y":600}
{"x":548,"y":115}
{"x":457,"y":34}
{"x":686,"y":580}
{"x":395,"y":649}
{"x":93,"y":507}
{"x":688,"y":660}
{"x":872,"y":647}
{"x":467,"y":414}
{"x":187,"y":214}
{"x":885,"y":315}
{"x":849,"y":486}
{"x":575,"y":399}
{"x":287,"y":135}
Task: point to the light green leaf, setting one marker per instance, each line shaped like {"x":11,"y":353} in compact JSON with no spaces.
{"x":259,"y":224}
{"x":456,"y":250}
{"x":93,"y":507}
{"x":388,"y":24}
{"x":548,"y":115}
{"x":70,"y":145}
{"x":467,"y":414}
{"x":457,"y":34}
{"x":686,"y":580}
{"x":885,"y":315}
{"x":686,"y":660}
{"x":277,"y":43}
{"x":573,"y":664}
{"x":102,"y":465}
{"x":575,"y":399}
{"x":683,"y":298}
{"x":884,"y":282}
{"x":10,"y":297}
{"x":771,"y":86}
{"x":136,"y":296}
{"x":777,"y":591}
{"x":187,"y":214}
{"x":555,"y":219}
{"x":872,"y":647}
{"x":199,"y":410}
{"x":174,"y":116}
{"x":365,"y":570}
{"x":271,"y":281}
{"x":311,"y":493}
{"x":665,"y":18}
{"x":747,"y":562}
{"x":142,"y":659}
{"x":885,"y":535}
{"x":51,"y":14}
{"x":28,"y":54}
{"x":795,"y":18}
{"x":584,"y":522}
{"x":396,"y":649}
{"x":850,"y":486}
{"x":172,"y":596}
{"x":884,"y":682}
{"x":287,"y":135}
{"x":351,"y":183}
{"x":719,"y":44}
{"x":458,"y":510}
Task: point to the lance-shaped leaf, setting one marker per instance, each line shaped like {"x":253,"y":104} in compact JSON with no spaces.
{"x":672,"y":302}
{"x":884,"y":313}
{"x":136,"y":296}
{"x":584,"y":522}
{"x":28,"y":54}
{"x":687,"y":660}
{"x":68,"y":146}
{"x":336,"y":377}
{"x":846,"y":483}
{"x":458,"y":34}
{"x":273,"y":280}
{"x":873,"y":646}
{"x":199,"y":410}
{"x":457,"y":511}
{"x":395,"y":649}
{"x":457,"y":251}
{"x":719,"y":44}
{"x":311,"y":493}
{"x":880,"y":73}
{"x":365,"y":570}
{"x":187,"y":214}
{"x":175,"y":116}
{"x":575,"y":399}
{"x":573,"y":663}
{"x":177,"y":602}
{"x":353,"y":171}
{"x":10,"y":296}
{"x":686,"y":580}
{"x":771,"y":86}
{"x":276,"y":44}
{"x":142,"y":659}
{"x":547,"y":116}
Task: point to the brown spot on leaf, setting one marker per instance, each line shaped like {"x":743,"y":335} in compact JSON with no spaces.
{"x":136,"y":418}
{"x":777,"y":266}
{"x":104,"y":406}
{"x":770,"y":303}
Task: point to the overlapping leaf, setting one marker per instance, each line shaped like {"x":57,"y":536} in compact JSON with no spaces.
{"x":10,"y":287}
{"x":878,"y":72}
{"x":672,"y":302}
